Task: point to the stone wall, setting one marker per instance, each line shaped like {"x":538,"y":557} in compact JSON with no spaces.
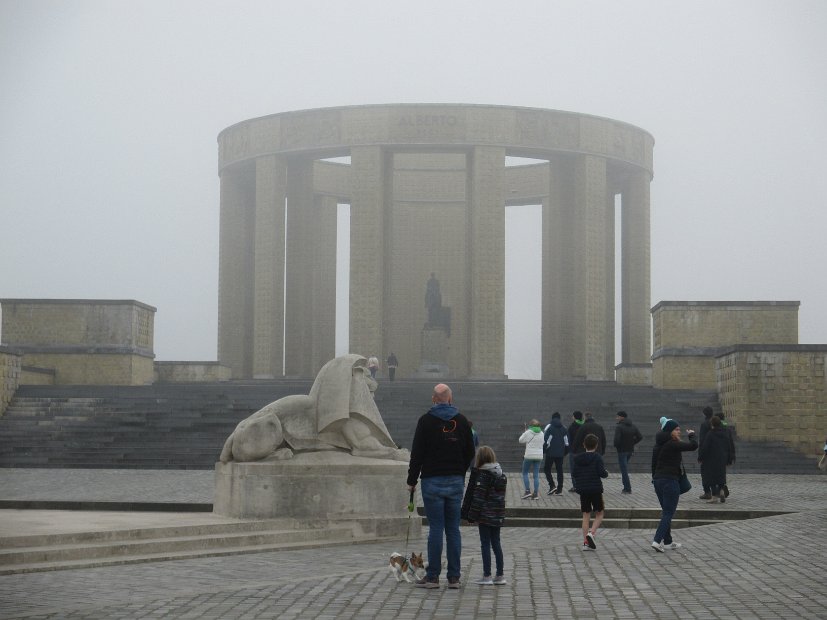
{"x":688,"y":335}
{"x":11,"y":361}
{"x":31,"y":375}
{"x":776,"y":393}
{"x":103,"y":342}
{"x":633,"y":374}
{"x":191,"y":372}
{"x":94,"y":368}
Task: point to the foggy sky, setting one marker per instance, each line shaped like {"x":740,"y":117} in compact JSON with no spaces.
{"x":109,"y":113}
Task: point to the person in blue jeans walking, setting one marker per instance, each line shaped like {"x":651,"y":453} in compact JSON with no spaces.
{"x":667,"y":465}
{"x":442,"y":451}
{"x":626,"y":437}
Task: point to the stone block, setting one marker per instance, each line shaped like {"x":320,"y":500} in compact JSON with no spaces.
{"x":320,"y":486}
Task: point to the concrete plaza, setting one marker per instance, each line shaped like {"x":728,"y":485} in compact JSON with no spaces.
{"x":769,"y":567}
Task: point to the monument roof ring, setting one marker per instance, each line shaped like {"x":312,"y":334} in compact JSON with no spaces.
{"x":523,"y":132}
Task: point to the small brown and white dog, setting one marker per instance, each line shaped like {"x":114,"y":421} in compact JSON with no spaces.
{"x":401,"y":566}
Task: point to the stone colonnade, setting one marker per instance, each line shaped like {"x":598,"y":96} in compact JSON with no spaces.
{"x":427,"y":187}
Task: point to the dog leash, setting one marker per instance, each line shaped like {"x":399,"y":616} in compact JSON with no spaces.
{"x":410,"y":514}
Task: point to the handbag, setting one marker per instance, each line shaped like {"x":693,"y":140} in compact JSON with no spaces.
{"x":683,"y":482}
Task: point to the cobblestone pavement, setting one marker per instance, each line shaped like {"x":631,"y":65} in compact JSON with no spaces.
{"x":771,"y":567}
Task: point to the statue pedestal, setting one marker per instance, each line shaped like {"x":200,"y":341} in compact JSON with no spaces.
{"x":319,"y":488}
{"x":434,"y":356}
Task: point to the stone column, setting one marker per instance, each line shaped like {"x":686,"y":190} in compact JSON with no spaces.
{"x":323,"y":341}
{"x":578,"y":271}
{"x":635,"y":276}
{"x":370,"y":171}
{"x":235,"y":270}
{"x":561,"y":355}
{"x":597,"y":266}
{"x":268,"y":312}
{"x":301,"y":245}
{"x":486,"y":249}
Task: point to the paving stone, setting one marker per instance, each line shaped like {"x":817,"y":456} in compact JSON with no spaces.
{"x":758,"y":568}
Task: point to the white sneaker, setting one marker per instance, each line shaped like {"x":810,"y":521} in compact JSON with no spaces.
{"x":657,"y":547}
{"x":673,"y":546}
{"x":484,"y":581}
{"x":499,"y":580}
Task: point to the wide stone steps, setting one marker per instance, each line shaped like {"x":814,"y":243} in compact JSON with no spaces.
{"x":102,"y":548}
{"x":184,"y":426}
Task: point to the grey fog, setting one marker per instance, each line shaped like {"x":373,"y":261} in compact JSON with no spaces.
{"x":109,"y":112}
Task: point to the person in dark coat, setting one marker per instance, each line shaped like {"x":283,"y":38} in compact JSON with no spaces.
{"x":626,"y":437}
{"x":731,"y":437}
{"x":556,"y":446}
{"x":714,"y":457}
{"x":576,"y":423}
{"x":667,"y":466}
{"x":442,"y":450}
{"x":591,"y":427}
{"x":702,"y":431}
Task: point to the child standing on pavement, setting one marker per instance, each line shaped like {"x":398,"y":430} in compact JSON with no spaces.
{"x":484,"y":504}
{"x":588,"y":470}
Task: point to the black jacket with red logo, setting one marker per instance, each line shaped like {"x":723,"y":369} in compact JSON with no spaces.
{"x":442,"y":445}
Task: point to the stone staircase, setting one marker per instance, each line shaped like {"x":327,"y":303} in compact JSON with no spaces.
{"x":95,"y":548}
{"x":24,"y":554}
{"x":183,"y":426}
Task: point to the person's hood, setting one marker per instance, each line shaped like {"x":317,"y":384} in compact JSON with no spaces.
{"x":556,"y":423}
{"x":494,"y":468}
{"x":662,"y":437}
{"x":443,"y":411}
{"x":584,"y":458}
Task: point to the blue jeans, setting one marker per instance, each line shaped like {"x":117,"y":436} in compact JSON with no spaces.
{"x":442,"y":497}
{"x":490,"y":539}
{"x":534,"y":466}
{"x":668,"y":492}
{"x":623,"y":461}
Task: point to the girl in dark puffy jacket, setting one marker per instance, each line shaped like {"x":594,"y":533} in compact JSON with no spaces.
{"x":484,"y":504}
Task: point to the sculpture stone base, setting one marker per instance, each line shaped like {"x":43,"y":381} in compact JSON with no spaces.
{"x":319,"y":488}
{"x":434,"y":356}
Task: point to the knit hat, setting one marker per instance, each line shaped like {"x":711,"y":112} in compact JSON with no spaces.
{"x":663,"y":421}
{"x":622,"y":414}
{"x":670,"y":426}
{"x":555,"y":415}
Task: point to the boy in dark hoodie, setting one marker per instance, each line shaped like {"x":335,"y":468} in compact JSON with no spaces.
{"x":442,"y":450}
{"x":588,"y":470}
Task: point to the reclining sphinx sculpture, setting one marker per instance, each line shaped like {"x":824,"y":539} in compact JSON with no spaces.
{"x":339,"y":414}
